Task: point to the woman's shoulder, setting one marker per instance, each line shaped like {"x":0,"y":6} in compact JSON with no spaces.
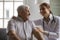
{"x":38,"y":22}
{"x":12,"y":20}
{"x":57,"y":17}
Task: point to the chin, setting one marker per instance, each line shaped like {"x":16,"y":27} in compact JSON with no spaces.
{"x":26,"y":19}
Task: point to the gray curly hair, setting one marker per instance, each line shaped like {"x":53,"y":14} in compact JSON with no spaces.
{"x":22,"y":7}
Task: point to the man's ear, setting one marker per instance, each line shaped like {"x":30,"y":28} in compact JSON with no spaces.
{"x":14,"y":17}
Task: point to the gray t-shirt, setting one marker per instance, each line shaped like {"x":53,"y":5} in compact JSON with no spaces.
{"x":23,"y":29}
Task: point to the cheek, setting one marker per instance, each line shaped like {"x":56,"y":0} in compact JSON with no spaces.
{"x":43,"y":13}
{"x":25,"y":15}
{"x":47,"y":11}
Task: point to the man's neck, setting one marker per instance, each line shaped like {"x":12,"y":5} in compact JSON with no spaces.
{"x":23,"y":19}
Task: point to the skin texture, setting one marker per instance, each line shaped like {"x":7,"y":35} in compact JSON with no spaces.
{"x":24,"y":14}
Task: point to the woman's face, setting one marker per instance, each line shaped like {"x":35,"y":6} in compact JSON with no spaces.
{"x":45,"y":12}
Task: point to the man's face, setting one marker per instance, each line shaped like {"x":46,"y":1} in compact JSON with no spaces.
{"x":25,"y":14}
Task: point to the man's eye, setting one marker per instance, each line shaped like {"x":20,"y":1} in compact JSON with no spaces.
{"x":43,"y":9}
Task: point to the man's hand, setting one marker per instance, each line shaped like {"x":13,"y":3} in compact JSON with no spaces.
{"x":40,"y":29}
{"x":38,"y":34}
{"x":12,"y":35}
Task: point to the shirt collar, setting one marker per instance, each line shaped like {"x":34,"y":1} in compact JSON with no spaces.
{"x":19,"y":18}
{"x":51,"y":17}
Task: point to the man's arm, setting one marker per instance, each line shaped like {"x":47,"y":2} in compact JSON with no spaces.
{"x":38,"y":34}
{"x":11,"y":29}
{"x":12,"y":35}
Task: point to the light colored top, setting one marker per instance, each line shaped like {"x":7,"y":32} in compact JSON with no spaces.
{"x":51,"y":27}
{"x":23,"y":29}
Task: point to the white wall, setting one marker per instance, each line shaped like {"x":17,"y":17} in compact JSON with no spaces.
{"x":55,"y":7}
{"x":41,"y":1}
{"x":34,"y":8}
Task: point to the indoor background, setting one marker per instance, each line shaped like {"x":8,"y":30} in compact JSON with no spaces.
{"x":8,"y":8}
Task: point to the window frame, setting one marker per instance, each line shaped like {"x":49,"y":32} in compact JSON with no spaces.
{"x":3,"y":18}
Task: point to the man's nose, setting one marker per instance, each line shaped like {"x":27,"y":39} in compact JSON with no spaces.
{"x":29,"y":13}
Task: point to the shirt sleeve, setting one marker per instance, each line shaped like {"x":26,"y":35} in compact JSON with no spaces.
{"x":11,"y":25}
{"x":53,"y":35}
{"x":34,"y":25}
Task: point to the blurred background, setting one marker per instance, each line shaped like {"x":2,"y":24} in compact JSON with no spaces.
{"x":8,"y":8}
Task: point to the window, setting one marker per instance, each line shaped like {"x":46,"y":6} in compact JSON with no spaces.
{"x":15,"y":7}
{"x":8,"y":8}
